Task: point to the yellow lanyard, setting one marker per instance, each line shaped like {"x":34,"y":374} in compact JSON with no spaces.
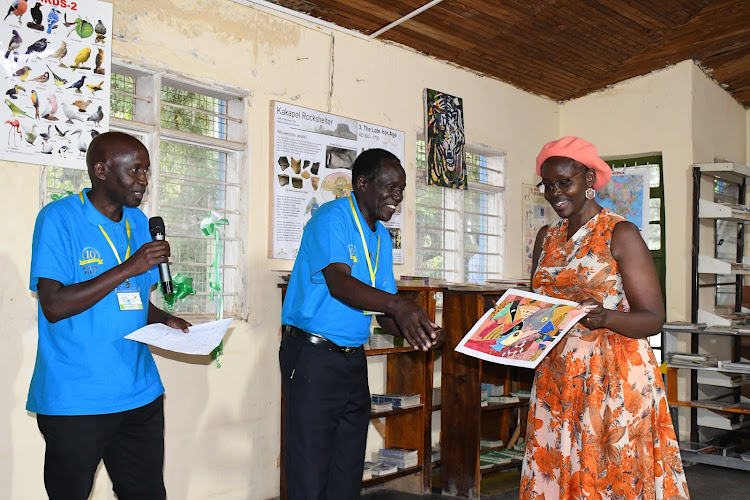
{"x":112,"y":245}
{"x":364,"y":245}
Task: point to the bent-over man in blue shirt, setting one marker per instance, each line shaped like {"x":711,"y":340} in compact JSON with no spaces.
{"x":97,"y":395}
{"x":344,"y":269}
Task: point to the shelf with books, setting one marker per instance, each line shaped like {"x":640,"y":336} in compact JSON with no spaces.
{"x":464,"y":422}
{"x":710,"y":210}
{"x":706,"y":347}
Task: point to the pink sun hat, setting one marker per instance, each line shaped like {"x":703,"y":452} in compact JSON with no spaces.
{"x":579,"y":150}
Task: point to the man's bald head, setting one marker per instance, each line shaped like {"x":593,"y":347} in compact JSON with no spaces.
{"x":109,"y":146}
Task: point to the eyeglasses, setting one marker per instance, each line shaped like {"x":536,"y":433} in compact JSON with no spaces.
{"x":562,"y":184}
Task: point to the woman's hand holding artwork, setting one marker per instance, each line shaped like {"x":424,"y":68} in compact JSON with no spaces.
{"x":597,"y":314}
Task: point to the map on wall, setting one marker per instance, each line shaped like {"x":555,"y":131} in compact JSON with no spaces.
{"x":628,"y":194}
{"x":313,"y":154}
{"x":56,"y":68}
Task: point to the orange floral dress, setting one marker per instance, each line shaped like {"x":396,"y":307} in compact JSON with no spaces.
{"x":599,"y":425}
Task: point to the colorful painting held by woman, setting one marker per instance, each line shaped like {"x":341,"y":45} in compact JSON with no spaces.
{"x":520,"y":329}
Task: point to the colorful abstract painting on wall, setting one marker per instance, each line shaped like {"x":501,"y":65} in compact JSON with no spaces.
{"x":444,"y":123}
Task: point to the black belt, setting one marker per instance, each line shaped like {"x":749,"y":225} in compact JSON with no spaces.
{"x":317,"y":340}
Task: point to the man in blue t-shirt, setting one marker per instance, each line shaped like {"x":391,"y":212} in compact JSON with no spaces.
{"x":343,"y":273}
{"x":96,"y":394}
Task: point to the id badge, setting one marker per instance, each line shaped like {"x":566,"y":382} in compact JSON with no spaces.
{"x":129,"y":297}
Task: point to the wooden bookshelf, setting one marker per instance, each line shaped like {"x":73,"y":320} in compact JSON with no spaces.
{"x":464,"y":422}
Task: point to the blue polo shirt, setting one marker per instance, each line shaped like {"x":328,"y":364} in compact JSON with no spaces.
{"x":331,"y":236}
{"x":84,"y":366}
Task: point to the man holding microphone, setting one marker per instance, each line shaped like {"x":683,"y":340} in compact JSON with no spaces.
{"x":97,"y":395}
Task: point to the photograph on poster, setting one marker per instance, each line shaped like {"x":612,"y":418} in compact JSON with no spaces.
{"x":313,"y":156}
{"x":340,"y":157}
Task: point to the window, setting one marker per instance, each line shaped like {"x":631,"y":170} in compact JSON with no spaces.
{"x":460,"y":233}
{"x":196,"y":140}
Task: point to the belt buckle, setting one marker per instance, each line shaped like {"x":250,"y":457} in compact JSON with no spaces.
{"x":347,"y":350}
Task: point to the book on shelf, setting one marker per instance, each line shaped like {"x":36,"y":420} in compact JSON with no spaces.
{"x":721,"y":379}
{"x":683,"y":325}
{"x":398,"y":400}
{"x":379,"y":339}
{"x":742,"y":405}
{"x":697,"y":447}
{"x":495,"y":457}
{"x":380,"y":469}
{"x":484,"y":464}
{"x":401,"y":453}
{"x":521,"y":394}
{"x":490,"y":443}
{"x":493,"y":390}
{"x":402,"y":459}
{"x":520,"y":329}
{"x":436,"y":396}
{"x":381,"y":407}
{"x":515,"y":282}
{"x":690,"y":359}
{"x":503,"y":399}
{"x":712,"y":404}
{"x":413,"y":281}
{"x":736,"y":366}
{"x":367,"y":472}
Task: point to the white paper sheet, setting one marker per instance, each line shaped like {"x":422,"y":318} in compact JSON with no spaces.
{"x":202,"y":339}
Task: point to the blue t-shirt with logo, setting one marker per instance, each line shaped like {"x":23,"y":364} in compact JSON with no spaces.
{"x":331,"y":236}
{"x":84,"y":366}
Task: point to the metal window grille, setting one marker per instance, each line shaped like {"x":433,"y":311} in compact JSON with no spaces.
{"x":460,"y":233}
{"x":192,"y":112}
{"x":194,"y":175}
{"x":122,"y":96}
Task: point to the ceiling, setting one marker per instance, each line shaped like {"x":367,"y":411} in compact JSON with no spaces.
{"x":561,"y":49}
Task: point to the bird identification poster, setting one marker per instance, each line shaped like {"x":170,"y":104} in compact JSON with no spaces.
{"x":313,"y":154}
{"x":55,"y":71}
{"x":521,"y":329}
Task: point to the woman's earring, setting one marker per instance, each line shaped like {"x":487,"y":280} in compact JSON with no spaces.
{"x":590,"y":193}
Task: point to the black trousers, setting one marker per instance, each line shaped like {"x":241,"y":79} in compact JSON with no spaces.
{"x":326,"y":414}
{"x":131,"y":443}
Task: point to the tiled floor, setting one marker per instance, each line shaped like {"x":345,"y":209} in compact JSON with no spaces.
{"x":704,"y":482}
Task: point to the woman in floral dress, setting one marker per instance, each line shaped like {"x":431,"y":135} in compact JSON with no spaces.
{"x":599,"y":424}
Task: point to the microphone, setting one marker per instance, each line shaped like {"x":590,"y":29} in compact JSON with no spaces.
{"x":156,"y":228}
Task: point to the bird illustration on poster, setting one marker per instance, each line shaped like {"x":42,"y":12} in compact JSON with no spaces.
{"x":55,"y":69}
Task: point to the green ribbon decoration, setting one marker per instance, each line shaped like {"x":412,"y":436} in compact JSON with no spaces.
{"x":58,"y":196}
{"x":183,"y":287}
{"x":210,"y":225}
